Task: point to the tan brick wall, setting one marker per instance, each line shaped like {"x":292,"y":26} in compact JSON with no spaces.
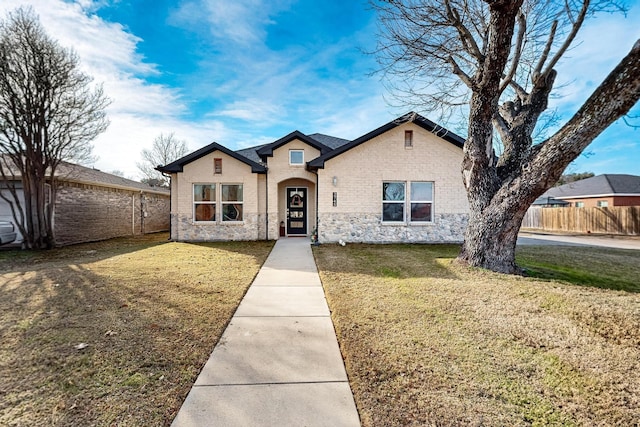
{"x":85,"y":213}
{"x":281,"y":175}
{"x":201,"y":171}
{"x":361,"y":171}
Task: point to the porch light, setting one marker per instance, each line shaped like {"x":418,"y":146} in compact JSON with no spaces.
{"x":335,"y":181}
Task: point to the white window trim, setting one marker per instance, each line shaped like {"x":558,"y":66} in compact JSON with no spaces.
{"x":222,"y":203}
{"x":407,"y":205}
{"x":193,"y":202}
{"x":403,"y":202}
{"x":296,"y":164}
{"x":411,"y":201}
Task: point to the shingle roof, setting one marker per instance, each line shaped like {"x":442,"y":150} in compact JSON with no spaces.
{"x":601,"y":185}
{"x":330,"y":141}
{"x":416,"y":118}
{"x":267,"y":150}
{"x":76,"y":173}
{"x":251,"y":153}
{"x":70,"y":172}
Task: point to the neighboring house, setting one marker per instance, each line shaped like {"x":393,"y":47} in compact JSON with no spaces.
{"x":92,"y":205}
{"x":549,"y":202}
{"x":398,"y":183}
{"x":603,"y":191}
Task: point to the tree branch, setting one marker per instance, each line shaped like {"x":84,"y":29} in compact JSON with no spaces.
{"x":515,"y":61}
{"x":461,"y":74}
{"x":615,"y":96}
{"x":572,"y":35}
{"x":465,"y":35}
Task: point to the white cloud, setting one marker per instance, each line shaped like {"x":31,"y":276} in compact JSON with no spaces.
{"x":251,"y":110}
{"x":599,"y":47}
{"x":139,"y":110}
{"x":239,"y":21}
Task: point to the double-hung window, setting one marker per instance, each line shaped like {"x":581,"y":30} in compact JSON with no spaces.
{"x":421,"y":201}
{"x":402,"y":206}
{"x":204,"y":202}
{"x":393,"y":201}
{"x":232,"y":200}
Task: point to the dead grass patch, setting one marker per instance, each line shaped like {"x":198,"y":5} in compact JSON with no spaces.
{"x":149,"y":312}
{"x":437,"y":344}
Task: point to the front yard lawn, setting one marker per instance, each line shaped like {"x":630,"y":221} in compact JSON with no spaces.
{"x":116,"y":332}
{"x":427,"y":342}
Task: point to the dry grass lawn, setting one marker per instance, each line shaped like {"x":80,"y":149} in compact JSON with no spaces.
{"x":429,"y":343}
{"x":149,"y":312}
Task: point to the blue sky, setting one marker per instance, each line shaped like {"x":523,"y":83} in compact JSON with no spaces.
{"x":246,"y":72}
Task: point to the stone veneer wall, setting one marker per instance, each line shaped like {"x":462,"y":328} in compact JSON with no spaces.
{"x":184,"y":229}
{"x":86,"y":213}
{"x":368,"y":228}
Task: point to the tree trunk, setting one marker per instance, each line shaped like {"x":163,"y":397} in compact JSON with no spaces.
{"x":491,"y":236}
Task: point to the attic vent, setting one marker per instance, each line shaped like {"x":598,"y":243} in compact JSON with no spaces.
{"x":408,"y":139}
{"x":217,"y":166}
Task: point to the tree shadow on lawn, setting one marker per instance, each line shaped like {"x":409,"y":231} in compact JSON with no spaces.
{"x":148,"y":334}
{"x":606,"y":268}
{"x":81,"y":252}
{"x":397,"y":261}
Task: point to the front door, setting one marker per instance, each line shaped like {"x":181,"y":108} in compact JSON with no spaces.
{"x":296,"y":211}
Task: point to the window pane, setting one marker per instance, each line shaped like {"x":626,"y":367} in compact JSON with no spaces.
{"x":232,"y":212}
{"x":232,"y":193}
{"x":421,"y":212}
{"x":422,"y":191}
{"x":204,"y":193}
{"x":296,"y":157}
{"x":393,"y":191}
{"x":393,"y":211}
{"x":205,"y":212}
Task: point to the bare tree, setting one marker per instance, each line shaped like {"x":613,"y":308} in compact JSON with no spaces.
{"x":49,"y":113}
{"x":498,"y":59}
{"x":165,"y":149}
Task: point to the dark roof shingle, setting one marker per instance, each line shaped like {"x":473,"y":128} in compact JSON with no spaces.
{"x":606,"y":184}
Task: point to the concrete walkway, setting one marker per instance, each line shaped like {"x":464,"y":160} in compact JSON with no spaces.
{"x":278,"y":362}
{"x":529,"y":238}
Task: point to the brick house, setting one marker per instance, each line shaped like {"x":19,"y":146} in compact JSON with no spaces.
{"x":607,"y":190}
{"x":398,"y":183}
{"x":92,"y":205}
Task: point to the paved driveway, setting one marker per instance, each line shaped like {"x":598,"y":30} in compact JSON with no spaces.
{"x":601,"y":241}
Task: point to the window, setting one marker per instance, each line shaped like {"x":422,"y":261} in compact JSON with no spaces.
{"x":408,"y":139}
{"x":217,"y":166}
{"x":579,"y":204}
{"x":393,"y":201}
{"x":204,"y":202}
{"x":603,"y":204}
{"x":232,"y":202}
{"x":296,"y":157}
{"x":421,"y":201}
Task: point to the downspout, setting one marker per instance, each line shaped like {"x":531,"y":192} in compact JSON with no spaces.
{"x":266,"y":213}
{"x":133,"y":214}
{"x":315,"y":172}
{"x":170,"y":207}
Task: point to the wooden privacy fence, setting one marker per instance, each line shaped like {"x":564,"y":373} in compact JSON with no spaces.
{"x":618,"y":220}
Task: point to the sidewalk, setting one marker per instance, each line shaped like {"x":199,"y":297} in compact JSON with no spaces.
{"x":619,"y":242}
{"x":278,"y":362}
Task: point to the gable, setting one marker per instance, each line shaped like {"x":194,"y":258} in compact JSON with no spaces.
{"x":178,"y":165}
{"x":414,"y":118}
{"x":267,"y":150}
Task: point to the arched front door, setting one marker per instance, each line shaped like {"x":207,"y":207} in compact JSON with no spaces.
{"x":296,"y":211}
